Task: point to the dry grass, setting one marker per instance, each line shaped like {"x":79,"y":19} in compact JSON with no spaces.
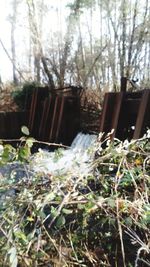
{"x":102,"y":219}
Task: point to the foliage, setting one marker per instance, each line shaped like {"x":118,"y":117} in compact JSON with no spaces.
{"x":99,"y":220}
{"x":23,"y":95}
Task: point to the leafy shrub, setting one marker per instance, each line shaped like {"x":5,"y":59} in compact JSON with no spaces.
{"x":102,"y":219}
{"x":22,"y":96}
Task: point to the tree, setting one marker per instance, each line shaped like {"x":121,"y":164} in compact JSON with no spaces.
{"x":94,"y":42}
{"x":37,"y":44}
{"x":13,"y":19}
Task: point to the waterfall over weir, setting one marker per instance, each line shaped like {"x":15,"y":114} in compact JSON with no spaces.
{"x":83,"y":141}
{"x":74,"y":160}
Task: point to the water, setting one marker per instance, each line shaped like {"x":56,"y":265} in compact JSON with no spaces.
{"x":75,"y":160}
{"x":10,"y":174}
{"x":83,"y":141}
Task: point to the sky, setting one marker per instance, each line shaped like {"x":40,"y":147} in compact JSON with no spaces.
{"x":21,"y":36}
{"x":5,"y":37}
{"x":5,"y":66}
{"x":22,"y":40}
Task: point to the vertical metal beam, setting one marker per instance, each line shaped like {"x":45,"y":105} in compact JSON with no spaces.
{"x":116,"y":113}
{"x":123,"y":84}
{"x":104,"y":112}
{"x":111,"y":112}
{"x":44,"y":118}
{"x":141,"y":114}
{"x":53,"y":119}
{"x":32,"y":110}
{"x":61,"y":109}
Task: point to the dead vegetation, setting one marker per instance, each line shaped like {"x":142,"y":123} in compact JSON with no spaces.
{"x":7,"y":103}
{"x":91,"y":106}
{"x":99,"y":219}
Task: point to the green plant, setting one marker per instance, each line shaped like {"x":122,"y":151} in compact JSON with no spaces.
{"x":22,"y":96}
{"x":98,"y":220}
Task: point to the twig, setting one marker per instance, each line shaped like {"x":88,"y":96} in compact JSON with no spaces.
{"x":118,"y":217}
{"x":35,"y":141}
{"x":64,"y":201}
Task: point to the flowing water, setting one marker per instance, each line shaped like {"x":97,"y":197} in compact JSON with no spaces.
{"x":83,"y":141}
{"x":75,"y":160}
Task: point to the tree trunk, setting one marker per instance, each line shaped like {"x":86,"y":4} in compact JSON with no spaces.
{"x":13,"y":45}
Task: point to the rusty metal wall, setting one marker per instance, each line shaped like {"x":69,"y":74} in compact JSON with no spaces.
{"x":128,"y":113}
{"x":10,"y":124}
{"x":55,"y":117}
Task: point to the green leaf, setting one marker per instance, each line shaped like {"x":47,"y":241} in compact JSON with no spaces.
{"x":111,"y":202}
{"x":128,"y":221}
{"x":58,"y":154}
{"x":30,"y":142}
{"x":81,"y":206}
{"x":23,"y":153}
{"x":25,"y":130}
{"x":42,"y":214}
{"x":49,"y":197}
{"x":54,"y":211}
{"x":89,"y":206}
{"x":60,"y":221}
{"x":21,"y":236}
{"x":8,"y":153}
{"x":67,"y":211}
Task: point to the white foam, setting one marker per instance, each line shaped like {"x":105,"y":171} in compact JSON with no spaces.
{"x":75,"y":160}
